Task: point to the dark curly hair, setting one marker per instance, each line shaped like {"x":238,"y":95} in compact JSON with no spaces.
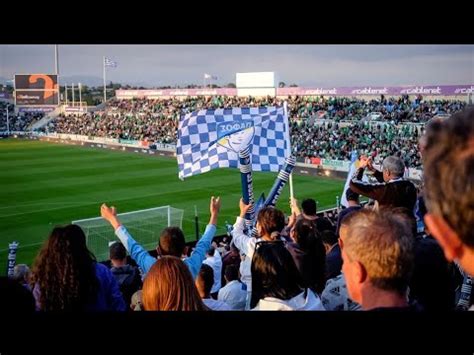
{"x":64,"y":271}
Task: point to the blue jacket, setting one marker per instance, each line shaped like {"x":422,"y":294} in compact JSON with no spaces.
{"x":109,"y":297}
{"x":145,"y":261}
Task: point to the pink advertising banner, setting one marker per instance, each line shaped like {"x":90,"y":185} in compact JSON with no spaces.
{"x":175,"y":92}
{"x":440,"y":90}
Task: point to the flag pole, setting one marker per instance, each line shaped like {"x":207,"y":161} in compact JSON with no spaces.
{"x":80,"y":98}
{"x":291,"y":186}
{"x":105,"y":89}
{"x":196,"y":222}
{"x":290,"y":180}
{"x":245,"y":167}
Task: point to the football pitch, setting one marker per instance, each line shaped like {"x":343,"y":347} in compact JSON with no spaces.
{"x":45,"y":184}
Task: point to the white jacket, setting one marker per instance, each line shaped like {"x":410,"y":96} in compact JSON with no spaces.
{"x":298,"y":303}
{"x":246,"y":246}
{"x":216,"y":305}
{"x":233,"y":295}
{"x":215,"y":262}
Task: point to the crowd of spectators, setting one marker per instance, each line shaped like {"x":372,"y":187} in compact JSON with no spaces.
{"x":16,"y":122}
{"x":336,"y":141}
{"x":396,"y":109}
{"x":372,"y":257}
{"x":320,"y":127}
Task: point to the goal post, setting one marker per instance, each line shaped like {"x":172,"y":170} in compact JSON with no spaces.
{"x":144,"y":225}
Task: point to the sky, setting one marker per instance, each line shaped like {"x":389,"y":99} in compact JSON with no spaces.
{"x":305,"y":65}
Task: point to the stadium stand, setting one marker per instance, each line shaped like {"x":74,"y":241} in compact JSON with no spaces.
{"x":323,"y":128}
{"x":320,"y":127}
{"x":17,"y":122}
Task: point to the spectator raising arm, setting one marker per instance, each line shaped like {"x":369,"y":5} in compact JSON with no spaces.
{"x":373,"y":191}
{"x":239,"y":238}
{"x":376,"y":173}
{"x":199,"y":254}
{"x":144,"y":260}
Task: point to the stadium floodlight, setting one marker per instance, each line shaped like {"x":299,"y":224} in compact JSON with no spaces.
{"x":145,"y":226}
{"x":80,"y":97}
{"x":56,"y":59}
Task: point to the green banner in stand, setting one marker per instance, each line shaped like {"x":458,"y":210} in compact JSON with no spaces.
{"x":334,"y":163}
{"x":340,"y":165}
{"x":128,"y":141}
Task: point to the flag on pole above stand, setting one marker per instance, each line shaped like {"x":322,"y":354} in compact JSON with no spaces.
{"x":109,"y":63}
{"x":209,"y":76}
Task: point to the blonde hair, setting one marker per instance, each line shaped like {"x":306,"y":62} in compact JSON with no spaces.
{"x":382,"y":241}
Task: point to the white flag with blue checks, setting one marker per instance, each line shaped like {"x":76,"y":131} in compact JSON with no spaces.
{"x":211,"y":139}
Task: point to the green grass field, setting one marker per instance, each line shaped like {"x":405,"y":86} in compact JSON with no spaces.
{"x":45,"y":184}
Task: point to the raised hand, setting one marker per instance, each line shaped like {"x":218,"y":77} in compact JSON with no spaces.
{"x":108,"y":212}
{"x":214,"y":208}
{"x":215,"y":205}
{"x":370,"y":164}
{"x":243,"y":207}
{"x":363,"y":161}
{"x":110,"y":215}
{"x":294,"y":206}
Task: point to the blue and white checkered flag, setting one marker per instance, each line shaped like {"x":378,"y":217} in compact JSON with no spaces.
{"x":211,"y":139}
{"x":109,"y":63}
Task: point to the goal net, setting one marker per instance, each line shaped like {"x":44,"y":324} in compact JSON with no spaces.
{"x":145,"y":227}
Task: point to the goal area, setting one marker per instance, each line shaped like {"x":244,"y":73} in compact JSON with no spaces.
{"x":144,"y":225}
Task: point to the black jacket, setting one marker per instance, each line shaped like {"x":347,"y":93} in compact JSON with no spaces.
{"x":333,"y":262}
{"x":399,"y":193}
{"x":129,"y":280}
{"x":432,"y":283}
{"x":310,"y":267}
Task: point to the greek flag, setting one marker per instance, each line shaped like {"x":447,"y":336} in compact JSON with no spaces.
{"x":109,"y":63}
{"x":211,"y":139}
{"x":209,"y":76}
